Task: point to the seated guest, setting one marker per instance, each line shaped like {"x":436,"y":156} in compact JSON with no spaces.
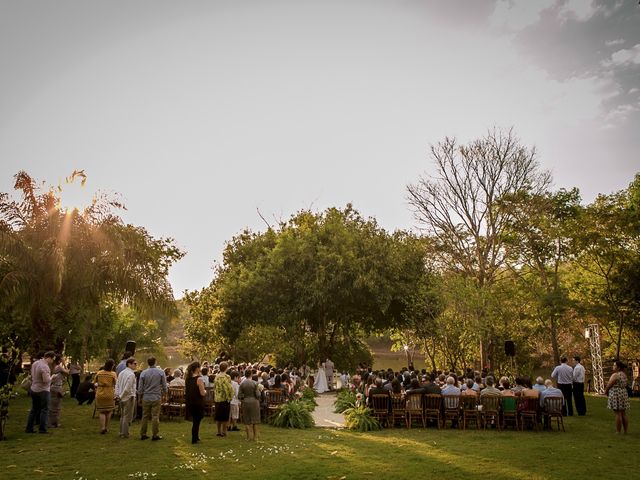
{"x":490,"y":389}
{"x":167,"y":374}
{"x":470,"y":390}
{"x":204,"y":373}
{"x":432,"y":387}
{"x":519,"y":386}
{"x":86,"y":391}
{"x":530,"y":392}
{"x":539,"y":385}
{"x":549,"y":391}
{"x":506,"y":388}
{"x":478,"y":384}
{"x":396,"y":386}
{"x":378,"y":389}
{"x":450,"y":388}
{"x":415,"y":388}
{"x":177,"y":381}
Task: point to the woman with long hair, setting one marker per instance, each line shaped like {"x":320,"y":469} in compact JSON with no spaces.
{"x":618,"y":398}
{"x":106,"y":394}
{"x":194,"y":398}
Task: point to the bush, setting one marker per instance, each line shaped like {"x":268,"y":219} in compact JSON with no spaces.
{"x":293,"y":414}
{"x":345,"y":399}
{"x":361,"y":419}
{"x":309,"y":395}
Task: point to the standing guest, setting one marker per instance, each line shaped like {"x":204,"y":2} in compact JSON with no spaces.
{"x":563,"y":374}
{"x":126,"y":392}
{"x":194,"y":398}
{"x":222,"y":396}
{"x":74,"y":372}
{"x":40,"y":393}
{"x":249,"y":395}
{"x":105,"y":394}
{"x":618,"y":397}
{"x":151,"y":386}
{"x":86,"y":391}
{"x":578,"y":387}
{"x":123,"y":363}
{"x":328,"y":370}
{"x":57,"y":391}
{"x":235,"y":402}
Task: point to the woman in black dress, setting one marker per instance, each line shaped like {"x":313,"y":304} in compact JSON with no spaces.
{"x":194,"y":398}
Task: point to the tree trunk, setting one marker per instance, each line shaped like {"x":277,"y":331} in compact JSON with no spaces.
{"x":553,"y":331}
{"x":619,"y":341}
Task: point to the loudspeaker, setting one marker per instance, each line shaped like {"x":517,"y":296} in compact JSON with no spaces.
{"x":510,"y":348}
{"x":131,"y":347}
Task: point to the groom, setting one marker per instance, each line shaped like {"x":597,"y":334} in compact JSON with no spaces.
{"x":328,"y":370}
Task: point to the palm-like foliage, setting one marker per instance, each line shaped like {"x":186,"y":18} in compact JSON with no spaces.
{"x":361,"y":418}
{"x":60,"y":270}
{"x":293,"y":414}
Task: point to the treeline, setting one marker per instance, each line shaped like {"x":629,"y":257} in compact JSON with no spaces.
{"x":500,"y":255}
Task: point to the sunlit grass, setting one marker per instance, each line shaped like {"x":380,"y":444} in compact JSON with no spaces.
{"x":589,"y":449}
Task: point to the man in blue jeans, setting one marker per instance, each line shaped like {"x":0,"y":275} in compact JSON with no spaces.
{"x":40,"y":392}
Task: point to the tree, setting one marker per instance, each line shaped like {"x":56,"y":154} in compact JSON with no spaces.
{"x":458,"y":207}
{"x":539,"y":241}
{"x":325,"y":279}
{"x":60,"y":270}
{"x":609,"y":243}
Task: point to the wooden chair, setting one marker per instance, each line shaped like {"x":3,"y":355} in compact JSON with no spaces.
{"x":415,"y":409}
{"x":490,"y":411}
{"x":451,"y":404}
{"x":175,"y":405}
{"x":509,"y":407}
{"x":433,"y":408}
{"x":553,"y":409}
{"x":274,"y":398}
{"x":470,"y":410}
{"x":398,"y":409}
{"x":380,"y":404}
{"x":528,"y":410}
{"x":209,"y":404}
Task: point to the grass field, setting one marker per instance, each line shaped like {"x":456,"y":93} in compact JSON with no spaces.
{"x":588,"y":450}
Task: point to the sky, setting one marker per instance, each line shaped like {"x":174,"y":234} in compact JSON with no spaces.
{"x":205,"y":117}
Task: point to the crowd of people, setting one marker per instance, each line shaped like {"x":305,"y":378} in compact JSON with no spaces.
{"x":242,"y":388}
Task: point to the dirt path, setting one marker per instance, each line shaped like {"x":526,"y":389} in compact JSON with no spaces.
{"x":323,"y":414}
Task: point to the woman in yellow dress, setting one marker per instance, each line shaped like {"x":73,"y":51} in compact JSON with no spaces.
{"x":106,"y":394}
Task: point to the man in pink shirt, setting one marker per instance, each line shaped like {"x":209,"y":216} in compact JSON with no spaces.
{"x":40,"y":392}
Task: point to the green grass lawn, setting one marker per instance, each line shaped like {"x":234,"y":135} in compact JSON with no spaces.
{"x":588,"y":450}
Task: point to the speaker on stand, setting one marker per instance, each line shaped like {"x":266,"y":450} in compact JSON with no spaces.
{"x":131,"y":347}
{"x":510,"y":351}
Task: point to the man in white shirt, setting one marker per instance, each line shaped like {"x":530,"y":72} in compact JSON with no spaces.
{"x":563,"y":375}
{"x":578,"y":387}
{"x":126,"y":392}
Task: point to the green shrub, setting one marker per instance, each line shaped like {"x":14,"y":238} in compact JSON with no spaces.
{"x":361,"y":419}
{"x":344,"y":400}
{"x":309,"y":395}
{"x":293,"y":414}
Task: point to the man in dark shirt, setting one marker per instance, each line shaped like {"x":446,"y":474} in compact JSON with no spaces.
{"x":431,"y":387}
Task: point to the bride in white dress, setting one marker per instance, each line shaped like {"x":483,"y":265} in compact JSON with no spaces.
{"x":320,"y":384}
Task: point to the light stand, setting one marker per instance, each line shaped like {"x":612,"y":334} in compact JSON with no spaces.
{"x":592,"y":333}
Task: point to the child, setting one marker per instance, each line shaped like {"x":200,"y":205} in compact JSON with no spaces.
{"x":235,"y":403}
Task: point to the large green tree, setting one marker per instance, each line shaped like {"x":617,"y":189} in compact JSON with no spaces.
{"x":325,"y":279}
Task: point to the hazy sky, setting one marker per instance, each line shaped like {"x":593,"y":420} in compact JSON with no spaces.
{"x":200,"y":112}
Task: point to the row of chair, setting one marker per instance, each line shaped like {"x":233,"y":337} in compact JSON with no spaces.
{"x":466,"y":410}
{"x":173,"y":402}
